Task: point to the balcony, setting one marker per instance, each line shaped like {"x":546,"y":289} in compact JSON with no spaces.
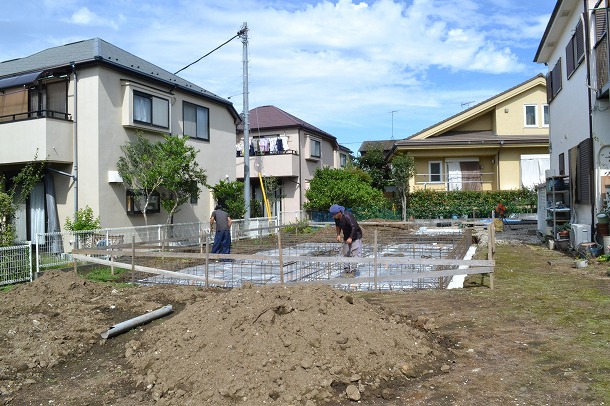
{"x":277,"y":165}
{"x":44,"y":138}
{"x":478,"y":181}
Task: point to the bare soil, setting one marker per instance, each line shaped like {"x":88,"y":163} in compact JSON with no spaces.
{"x":292,"y":346}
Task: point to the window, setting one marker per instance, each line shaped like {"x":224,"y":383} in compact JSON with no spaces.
{"x":315,"y":148}
{"x":49,"y":100}
{"x":531,"y":118}
{"x":151,"y":110}
{"x":342,"y":160}
{"x":553,"y":82}
{"x":435,"y":171}
{"x":135,"y":201}
{"x":575,"y":50}
{"x":196,"y":121}
{"x":546,"y":119}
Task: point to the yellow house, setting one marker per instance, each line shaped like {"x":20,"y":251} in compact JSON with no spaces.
{"x":499,"y":144}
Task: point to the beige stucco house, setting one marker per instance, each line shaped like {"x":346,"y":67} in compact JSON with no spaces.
{"x":75,"y":105}
{"x":498,"y":144}
{"x":287,"y":148}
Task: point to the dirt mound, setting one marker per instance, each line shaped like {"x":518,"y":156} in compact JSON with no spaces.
{"x":257,"y":344}
{"x":298,"y":345}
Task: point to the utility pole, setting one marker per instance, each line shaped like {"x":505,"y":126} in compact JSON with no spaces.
{"x":243,"y":34}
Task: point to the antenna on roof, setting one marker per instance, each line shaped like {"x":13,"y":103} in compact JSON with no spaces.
{"x":467,"y":104}
{"x":392,"y":113}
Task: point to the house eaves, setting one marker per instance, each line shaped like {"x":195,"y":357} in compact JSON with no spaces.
{"x":477,"y":110}
{"x":555,"y":27}
{"x":98,"y":51}
{"x":475,"y":139}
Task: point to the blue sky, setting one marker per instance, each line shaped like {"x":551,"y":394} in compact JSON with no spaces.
{"x":343,"y":66}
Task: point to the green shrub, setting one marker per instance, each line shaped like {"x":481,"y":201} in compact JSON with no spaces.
{"x":83,"y":220}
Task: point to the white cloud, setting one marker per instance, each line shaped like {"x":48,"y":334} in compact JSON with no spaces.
{"x":84,"y":16}
{"x":341,"y":65}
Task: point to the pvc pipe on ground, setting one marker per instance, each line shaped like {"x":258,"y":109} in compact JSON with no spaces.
{"x":136,"y":321}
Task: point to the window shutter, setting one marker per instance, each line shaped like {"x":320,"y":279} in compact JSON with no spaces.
{"x":556,"y":78}
{"x":584,"y":171}
{"x":570,"y":57}
{"x":600,"y":24}
{"x":579,"y":39}
{"x":549,"y":88}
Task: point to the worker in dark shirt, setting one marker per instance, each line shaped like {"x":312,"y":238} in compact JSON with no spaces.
{"x":222,"y":238}
{"x":352,"y":235}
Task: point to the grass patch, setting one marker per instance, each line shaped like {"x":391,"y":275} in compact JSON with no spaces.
{"x":571,"y":303}
{"x":104,"y":274}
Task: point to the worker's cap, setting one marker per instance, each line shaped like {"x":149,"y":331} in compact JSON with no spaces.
{"x":335,"y":208}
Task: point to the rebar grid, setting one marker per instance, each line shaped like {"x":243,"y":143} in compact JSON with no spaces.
{"x":294,"y":257}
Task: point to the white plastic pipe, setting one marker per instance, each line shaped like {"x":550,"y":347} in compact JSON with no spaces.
{"x":136,"y":321}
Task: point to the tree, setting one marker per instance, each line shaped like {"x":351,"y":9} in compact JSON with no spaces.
{"x":403,"y":169}
{"x":373,"y":162}
{"x":231,"y":196}
{"x":181,"y":174}
{"x":349,"y":187}
{"x":141,"y":171}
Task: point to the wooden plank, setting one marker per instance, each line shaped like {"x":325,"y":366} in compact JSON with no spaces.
{"x":146,"y":269}
{"x":365,"y":260}
{"x":402,"y":277}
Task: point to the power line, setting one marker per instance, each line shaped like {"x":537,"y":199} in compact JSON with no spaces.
{"x":241,"y":32}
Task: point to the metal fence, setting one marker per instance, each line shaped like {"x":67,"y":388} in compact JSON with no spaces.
{"x":16,"y":264}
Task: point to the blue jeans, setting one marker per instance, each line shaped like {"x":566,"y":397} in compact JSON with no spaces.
{"x":222,"y":242}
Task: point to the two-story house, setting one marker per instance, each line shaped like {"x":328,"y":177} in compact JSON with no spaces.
{"x":289,"y":149}
{"x":498,"y":144}
{"x":574,"y":47}
{"x":75,"y":106}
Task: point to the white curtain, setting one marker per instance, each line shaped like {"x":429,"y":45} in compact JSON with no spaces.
{"x":533,"y":168}
{"x":21,"y":224}
{"x":454,"y":176}
{"x":37,"y":213}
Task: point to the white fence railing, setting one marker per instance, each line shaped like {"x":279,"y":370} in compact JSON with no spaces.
{"x":54,"y":250}
{"x":16,"y":264}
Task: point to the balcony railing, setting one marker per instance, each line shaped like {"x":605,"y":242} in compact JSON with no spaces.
{"x":34,"y":115}
{"x":486,"y":182}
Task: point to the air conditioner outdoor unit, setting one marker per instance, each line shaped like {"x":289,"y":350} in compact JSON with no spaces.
{"x":580,"y":233}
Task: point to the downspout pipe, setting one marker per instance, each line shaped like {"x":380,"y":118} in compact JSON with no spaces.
{"x":137,"y":321}
{"x":75,"y":140}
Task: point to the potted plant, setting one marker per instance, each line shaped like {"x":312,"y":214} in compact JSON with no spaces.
{"x":563,"y":231}
{"x":580,"y":261}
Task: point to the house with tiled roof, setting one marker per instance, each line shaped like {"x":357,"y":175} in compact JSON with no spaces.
{"x":385,"y":145}
{"x":75,"y":105}
{"x":501,"y":143}
{"x":289,"y":149}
